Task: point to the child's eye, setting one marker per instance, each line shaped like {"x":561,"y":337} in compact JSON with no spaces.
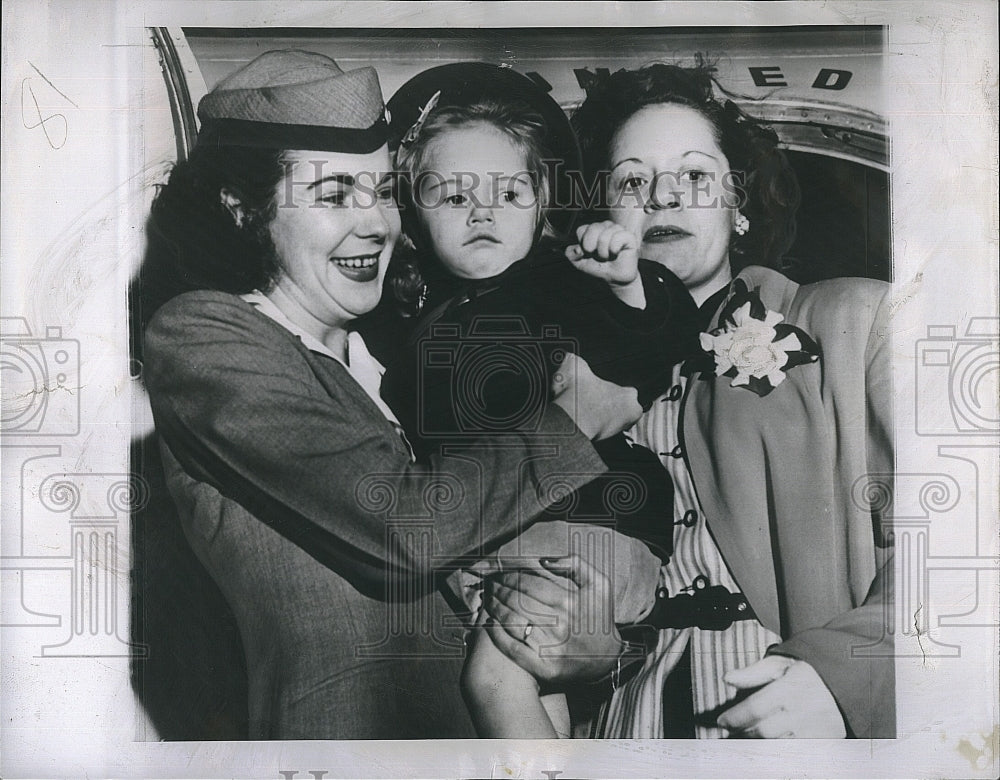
{"x":694,"y":175}
{"x":455,"y":200}
{"x":385,"y":194}
{"x":509,"y":196}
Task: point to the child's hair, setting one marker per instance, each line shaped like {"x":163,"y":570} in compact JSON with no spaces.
{"x":515,"y":120}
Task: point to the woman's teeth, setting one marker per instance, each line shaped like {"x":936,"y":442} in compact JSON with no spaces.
{"x":356,"y":262}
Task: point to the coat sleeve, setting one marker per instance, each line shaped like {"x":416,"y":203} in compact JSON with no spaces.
{"x":240,"y":407}
{"x":633,"y":347}
{"x":853,"y":653}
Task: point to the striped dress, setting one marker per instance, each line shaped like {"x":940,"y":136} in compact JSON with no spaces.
{"x":636,"y":709}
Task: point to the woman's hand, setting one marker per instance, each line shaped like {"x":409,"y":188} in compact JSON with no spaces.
{"x":791,"y":701}
{"x":608,"y":251}
{"x":599,"y":408}
{"x":556,"y":621}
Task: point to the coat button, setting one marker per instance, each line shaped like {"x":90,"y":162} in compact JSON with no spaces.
{"x":677,"y":452}
{"x":675,"y":393}
{"x":689,"y":519}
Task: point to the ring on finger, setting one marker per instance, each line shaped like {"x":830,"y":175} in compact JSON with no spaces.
{"x":527,"y":632}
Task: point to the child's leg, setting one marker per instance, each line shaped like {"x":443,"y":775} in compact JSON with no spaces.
{"x":557,"y":708}
{"x":502,"y":697}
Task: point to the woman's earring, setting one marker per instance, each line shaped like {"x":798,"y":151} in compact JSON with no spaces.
{"x":233,"y":205}
{"x":741,"y":224}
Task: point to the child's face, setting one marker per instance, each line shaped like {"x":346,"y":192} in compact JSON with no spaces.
{"x":477,"y":201}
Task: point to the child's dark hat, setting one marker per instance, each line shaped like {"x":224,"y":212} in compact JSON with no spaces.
{"x":292,"y":99}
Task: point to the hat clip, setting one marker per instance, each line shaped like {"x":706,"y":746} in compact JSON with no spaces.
{"x":414,"y":131}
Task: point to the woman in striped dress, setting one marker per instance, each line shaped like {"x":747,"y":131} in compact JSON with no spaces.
{"x":770,"y":616}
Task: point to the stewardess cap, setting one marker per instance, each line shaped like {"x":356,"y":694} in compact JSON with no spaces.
{"x":293,"y":99}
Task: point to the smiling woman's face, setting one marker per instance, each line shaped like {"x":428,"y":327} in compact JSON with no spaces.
{"x":671,"y":185}
{"x":334,"y":230}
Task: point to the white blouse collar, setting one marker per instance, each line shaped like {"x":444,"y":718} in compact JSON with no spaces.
{"x":360,"y":364}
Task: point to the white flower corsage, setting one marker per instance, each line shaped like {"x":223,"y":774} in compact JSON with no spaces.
{"x":753,"y":345}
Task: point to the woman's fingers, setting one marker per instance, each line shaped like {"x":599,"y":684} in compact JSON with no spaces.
{"x":578,"y":595}
{"x":503,"y":615}
{"x":518,"y":599}
{"x":534,"y":630}
{"x":797,"y":703}
{"x":760,"y":672}
{"x":523,"y":655}
{"x":550,"y":581}
{"x":547,"y":591}
{"x":523,"y":602}
{"x":577,"y":570}
{"x":780,"y":724}
{"x":753,"y":710}
{"x":578,"y":641}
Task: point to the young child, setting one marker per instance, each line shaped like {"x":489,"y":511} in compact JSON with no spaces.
{"x":500,"y":305}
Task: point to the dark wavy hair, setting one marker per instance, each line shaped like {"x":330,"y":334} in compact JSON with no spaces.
{"x":770,"y":191}
{"x":194,"y":242}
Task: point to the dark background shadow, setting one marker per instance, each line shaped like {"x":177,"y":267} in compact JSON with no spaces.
{"x":843,"y":226}
{"x":193,"y":681}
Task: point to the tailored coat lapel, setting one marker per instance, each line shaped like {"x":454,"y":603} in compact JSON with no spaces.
{"x":742,"y":533}
{"x":333,"y":376}
{"x":781,"y":479}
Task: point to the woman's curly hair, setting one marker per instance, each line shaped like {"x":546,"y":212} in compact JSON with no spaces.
{"x":194,"y":242}
{"x":769,"y":192}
